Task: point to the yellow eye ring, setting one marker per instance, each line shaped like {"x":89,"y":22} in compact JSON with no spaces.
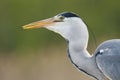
{"x":58,"y":18}
{"x":61,"y":17}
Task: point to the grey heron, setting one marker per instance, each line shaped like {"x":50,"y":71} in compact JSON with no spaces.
{"x":104,"y":64}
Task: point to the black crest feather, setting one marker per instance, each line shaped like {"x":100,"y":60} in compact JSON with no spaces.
{"x":69,"y":14}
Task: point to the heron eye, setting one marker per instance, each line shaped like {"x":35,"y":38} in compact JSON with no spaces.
{"x":61,"y":17}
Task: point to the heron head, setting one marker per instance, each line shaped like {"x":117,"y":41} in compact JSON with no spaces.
{"x":62,"y":23}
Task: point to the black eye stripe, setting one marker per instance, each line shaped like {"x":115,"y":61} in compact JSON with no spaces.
{"x":58,"y":21}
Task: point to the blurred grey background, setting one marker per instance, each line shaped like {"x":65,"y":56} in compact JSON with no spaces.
{"x":39,"y":54}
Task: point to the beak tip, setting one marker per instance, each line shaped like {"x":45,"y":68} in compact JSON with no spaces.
{"x":26,"y":27}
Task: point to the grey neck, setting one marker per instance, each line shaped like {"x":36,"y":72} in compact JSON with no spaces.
{"x":79,"y":56}
{"x":84,"y":61}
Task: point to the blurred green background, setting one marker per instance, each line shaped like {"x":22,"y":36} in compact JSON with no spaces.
{"x":39,"y":54}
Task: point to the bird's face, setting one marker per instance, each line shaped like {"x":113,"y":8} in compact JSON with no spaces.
{"x":61,"y":23}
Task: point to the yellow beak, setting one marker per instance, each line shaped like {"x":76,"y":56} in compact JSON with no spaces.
{"x":39,"y":24}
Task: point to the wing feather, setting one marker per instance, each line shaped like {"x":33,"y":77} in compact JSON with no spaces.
{"x":108,"y":58}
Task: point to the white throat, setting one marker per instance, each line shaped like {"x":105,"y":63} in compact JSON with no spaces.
{"x":78,"y":39}
{"x":72,"y":29}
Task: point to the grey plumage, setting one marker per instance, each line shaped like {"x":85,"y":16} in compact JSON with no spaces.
{"x":108,"y":58}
